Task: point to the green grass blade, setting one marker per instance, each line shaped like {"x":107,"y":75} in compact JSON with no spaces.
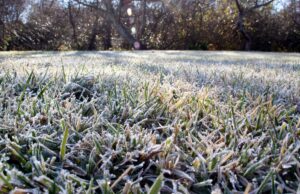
{"x":64,"y":140}
{"x":155,"y":188}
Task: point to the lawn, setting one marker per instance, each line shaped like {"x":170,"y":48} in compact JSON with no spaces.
{"x":144,"y":122}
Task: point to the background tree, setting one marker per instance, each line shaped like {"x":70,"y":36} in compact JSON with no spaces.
{"x":10,"y":15}
{"x":245,"y":8}
{"x":109,"y":10}
{"x":267,"y":25}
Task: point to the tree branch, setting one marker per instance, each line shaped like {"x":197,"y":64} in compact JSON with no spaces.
{"x":94,"y":5}
{"x":238,"y":5}
{"x":257,"y":5}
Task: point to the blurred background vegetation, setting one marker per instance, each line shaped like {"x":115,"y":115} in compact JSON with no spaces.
{"x":264,"y":25}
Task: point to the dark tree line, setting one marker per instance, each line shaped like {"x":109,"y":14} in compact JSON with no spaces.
{"x":268,"y":25}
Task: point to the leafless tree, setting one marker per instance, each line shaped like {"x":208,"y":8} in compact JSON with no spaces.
{"x":10,"y":12}
{"x":154,"y":24}
{"x":295,"y":4}
{"x":107,"y":10}
{"x":73,"y":24}
{"x":245,"y":7}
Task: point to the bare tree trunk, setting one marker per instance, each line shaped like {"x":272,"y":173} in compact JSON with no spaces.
{"x":244,"y":33}
{"x":143,"y":19}
{"x":2,"y":25}
{"x":72,"y":22}
{"x":123,"y":32}
{"x":107,"y":35}
{"x":241,"y":26}
{"x":110,"y":14}
{"x":296,"y":11}
{"x":242,"y":13}
{"x":2,"y":35}
{"x":93,"y":36}
{"x":119,"y":27}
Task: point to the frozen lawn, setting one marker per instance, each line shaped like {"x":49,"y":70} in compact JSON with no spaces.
{"x":137,"y":122}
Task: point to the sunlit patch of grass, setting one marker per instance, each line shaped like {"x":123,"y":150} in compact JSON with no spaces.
{"x":87,"y":123}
